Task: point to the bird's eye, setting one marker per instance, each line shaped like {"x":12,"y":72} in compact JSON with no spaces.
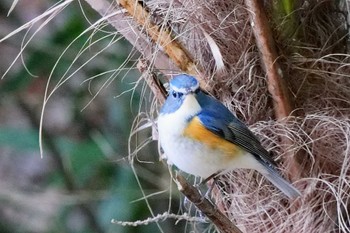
{"x":177,"y":94}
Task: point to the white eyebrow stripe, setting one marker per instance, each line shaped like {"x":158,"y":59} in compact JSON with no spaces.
{"x":184,"y":89}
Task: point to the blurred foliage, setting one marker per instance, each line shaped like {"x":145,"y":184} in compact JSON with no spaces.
{"x":84,"y":179}
{"x":286,"y":21}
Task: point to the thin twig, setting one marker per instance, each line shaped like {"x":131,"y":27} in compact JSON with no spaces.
{"x":206,"y":207}
{"x":152,"y":81}
{"x":275,"y":79}
{"x":269,"y":57}
{"x":160,"y":218}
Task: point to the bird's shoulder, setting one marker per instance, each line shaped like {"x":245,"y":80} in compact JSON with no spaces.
{"x":217,"y":119}
{"x":209,"y":136}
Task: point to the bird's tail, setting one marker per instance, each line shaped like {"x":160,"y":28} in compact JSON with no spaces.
{"x":275,"y":178}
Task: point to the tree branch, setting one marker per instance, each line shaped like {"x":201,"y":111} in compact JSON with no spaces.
{"x":160,"y":36}
{"x":139,"y":32}
{"x":131,"y":32}
{"x":152,"y":80}
{"x":206,"y":207}
{"x":275,"y":79}
{"x":269,"y":57}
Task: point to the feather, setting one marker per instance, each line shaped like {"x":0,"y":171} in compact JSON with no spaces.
{"x":226,"y":126}
{"x":215,"y":50}
{"x":213,"y":139}
{"x":275,"y":178}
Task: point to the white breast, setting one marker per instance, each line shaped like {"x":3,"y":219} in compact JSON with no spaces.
{"x":187,"y":154}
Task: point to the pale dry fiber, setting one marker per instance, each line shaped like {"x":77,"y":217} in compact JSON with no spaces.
{"x":315,"y":65}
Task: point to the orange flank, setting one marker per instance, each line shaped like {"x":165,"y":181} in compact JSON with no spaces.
{"x":198,"y":132}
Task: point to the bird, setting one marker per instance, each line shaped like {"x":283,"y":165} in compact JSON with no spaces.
{"x":202,"y":137}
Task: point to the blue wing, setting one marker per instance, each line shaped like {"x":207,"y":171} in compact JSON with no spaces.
{"x":219,"y":120}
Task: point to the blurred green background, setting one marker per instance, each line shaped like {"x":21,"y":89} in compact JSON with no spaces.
{"x":84,"y":178}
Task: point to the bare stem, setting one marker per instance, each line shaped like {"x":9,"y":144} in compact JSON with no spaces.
{"x":161,"y":36}
{"x":206,"y":207}
{"x":269,"y":57}
{"x":275,"y":79}
{"x":140,"y":31}
{"x":152,"y":80}
{"x":130,"y":30}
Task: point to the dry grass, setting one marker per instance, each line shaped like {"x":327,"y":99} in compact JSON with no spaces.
{"x":316,"y":67}
{"x":317,"y":72}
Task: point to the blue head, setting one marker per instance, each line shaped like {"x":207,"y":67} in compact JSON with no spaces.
{"x":180,"y":86}
{"x":184,"y":86}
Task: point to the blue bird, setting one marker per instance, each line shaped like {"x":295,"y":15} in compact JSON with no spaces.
{"x":200,"y":136}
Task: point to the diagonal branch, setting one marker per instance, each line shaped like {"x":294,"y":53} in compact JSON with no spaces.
{"x":269,"y":57}
{"x":206,"y":207}
{"x":132,"y":33}
{"x":165,"y":52}
{"x":152,"y":81}
{"x":161,"y":36}
{"x":275,"y":79}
